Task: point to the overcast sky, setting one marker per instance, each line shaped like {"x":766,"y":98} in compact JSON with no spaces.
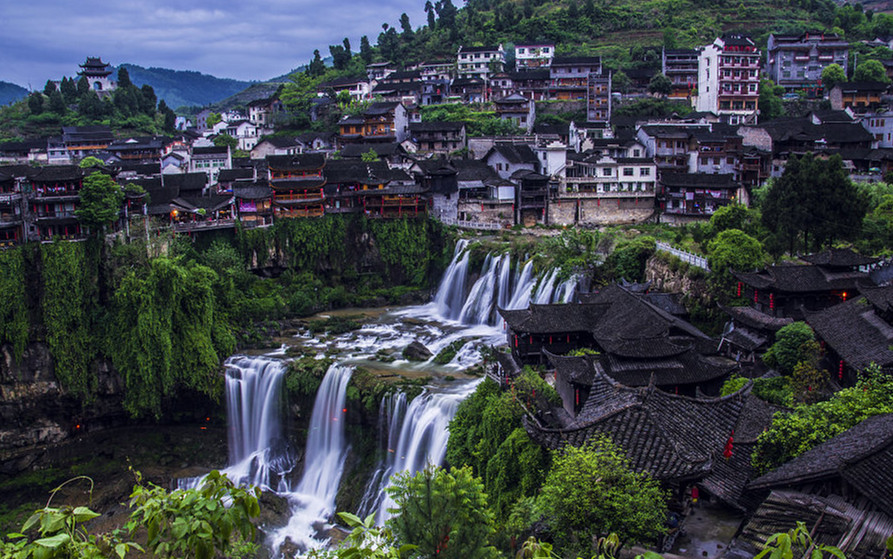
{"x":242,"y":39}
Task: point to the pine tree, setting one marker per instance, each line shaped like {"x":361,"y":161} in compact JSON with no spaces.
{"x":69,"y":90}
{"x":49,"y":88}
{"x":57,"y":103}
{"x":123,"y":78}
{"x":365,"y":50}
{"x":35,"y":103}
{"x":316,"y":67}
{"x":83,"y":86}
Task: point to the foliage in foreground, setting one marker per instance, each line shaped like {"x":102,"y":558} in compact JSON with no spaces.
{"x":809,"y":425}
{"x":212,"y":520}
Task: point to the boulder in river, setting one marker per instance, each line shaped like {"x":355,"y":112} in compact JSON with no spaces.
{"x":416,"y":351}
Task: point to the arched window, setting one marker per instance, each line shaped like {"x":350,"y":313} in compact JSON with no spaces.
{"x":97,"y":86}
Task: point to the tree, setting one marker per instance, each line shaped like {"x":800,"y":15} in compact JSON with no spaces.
{"x":733,"y":216}
{"x":225,"y":140}
{"x":370,"y":156}
{"x":124,"y":78}
{"x":148,"y":100}
{"x":660,"y":85}
{"x":89,"y":162}
{"x":83,"y":86}
{"x":770,"y":103}
{"x":429,"y":9}
{"x":365,"y":49}
{"x":733,"y":249}
{"x":57,"y":103}
{"x":629,"y":257}
{"x":443,"y":513}
{"x":170,"y":118}
{"x":405,"y":26}
{"x":789,"y":348}
{"x":49,"y":88}
{"x":213,"y":118}
{"x":591,"y":491}
{"x":870,"y":71}
{"x":832,"y":75}
{"x":69,"y":90}
{"x":621,"y":81}
{"x":316,"y":67}
{"x":35,"y":103}
{"x":101,"y":200}
{"x":815,"y":202}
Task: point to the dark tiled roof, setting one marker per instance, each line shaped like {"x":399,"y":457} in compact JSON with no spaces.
{"x":856,"y":331}
{"x":529,"y":75}
{"x":514,"y":153}
{"x":839,"y":257}
{"x":302,"y":162}
{"x":381,"y":108}
{"x":210,"y":150}
{"x":861,"y":456}
{"x":473,"y":170}
{"x":230,"y":175}
{"x":186,"y":183}
{"x":850,"y":87}
{"x":754,"y":318}
{"x":209,"y":203}
{"x":673,"y":438}
{"x":478,"y":49}
{"x":384,"y":149}
{"x":57,"y":173}
{"x":576,"y":61}
{"x":792,"y":278}
{"x":255,"y":191}
{"x":280,"y":142}
{"x":557,"y":318}
{"x":353,"y":171}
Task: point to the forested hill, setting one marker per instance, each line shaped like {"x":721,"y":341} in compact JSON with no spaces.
{"x":10,"y":93}
{"x":185,"y":88}
{"x":611,"y":27}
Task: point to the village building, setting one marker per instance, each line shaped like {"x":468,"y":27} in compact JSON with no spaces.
{"x":690,"y":197}
{"x":796,"y":62}
{"x":598,"y":98}
{"x":880,"y":125}
{"x":480,"y":62}
{"x":262,"y":112}
{"x":841,"y":490}
{"x":681,"y":67}
{"x":29,"y":151}
{"x":210,"y":160}
{"x":253,"y":202}
{"x":468,"y":90}
{"x":97,"y":73}
{"x":276,"y":145}
{"x":534,"y":56}
{"x":860,"y":97}
{"x":532,"y":84}
{"x":138,"y":149}
{"x":315,"y":142}
{"x":82,"y":141}
{"x":602,"y":189}
{"x":297,"y":182}
{"x":483,"y":196}
{"x":55,"y":197}
{"x":380,"y":122}
{"x":228,"y":179}
{"x":12,"y":208}
{"x":378,"y":70}
{"x":729,"y":79}
{"x":569,"y":77}
{"x":857,"y":333}
{"x":517,"y":109}
{"x":438,"y":137}
{"x":439,"y":178}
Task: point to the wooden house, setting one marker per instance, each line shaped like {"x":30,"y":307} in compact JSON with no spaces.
{"x":297,"y":182}
{"x":55,"y":197}
{"x":12,"y":224}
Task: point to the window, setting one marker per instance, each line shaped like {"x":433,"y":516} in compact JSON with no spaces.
{"x":636,"y":152}
{"x":627,"y":171}
{"x":645,"y":172}
{"x":606,"y":172}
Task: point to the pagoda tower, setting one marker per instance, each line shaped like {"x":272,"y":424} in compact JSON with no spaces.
{"x":97,"y":73}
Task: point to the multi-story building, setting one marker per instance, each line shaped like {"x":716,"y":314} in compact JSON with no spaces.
{"x":210,"y":160}
{"x":880,"y":125}
{"x":795,"y":62}
{"x":438,"y":137}
{"x":729,"y":79}
{"x":598,"y":97}
{"x":480,"y":62}
{"x":97,"y":75}
{"x":380,"y":122}
{"x":12,"y":229}
{"x":569,"y":76}
{"x":518,"y":109}
{"x":534,"y":56}
{"x":55,"y":197}
{"x":83,"y":141}
{"x":297,"y":182}
{"x":681,"y":67}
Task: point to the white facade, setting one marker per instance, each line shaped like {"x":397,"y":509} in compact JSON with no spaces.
{"x":729,"y":79}
{"x":533,"y":57}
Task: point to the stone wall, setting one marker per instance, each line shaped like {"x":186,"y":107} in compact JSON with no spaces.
{"x":664,"y":278}
{"x":600,"y":211}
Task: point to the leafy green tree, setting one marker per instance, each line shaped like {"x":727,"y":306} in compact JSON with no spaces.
{"x":90,"y":161}
{"x":770,"y":103}
{"x":660,"y":85}
{"x":815,"y":202}
{"x":797,"y":542}
{"x":203,"y":523}
{"x":213,"y":118}
{"x":225,"y":140}
{"x":35,"y":103}
{"x":365,"y":541}
{"x":49,"y":88}
{"x":621,"y":82}
{"x":809,"y":425}
{"x":170,"y":118}
{"x":365,"y":50}
{"x":591,"y":492}
{"x":790,"y":348}
{"x":444,"y":513}
{"x":148,"y":100}
{"x":370,"y":156}
{"x":69,"y":90}
{"x":316,"y":67}
{"x":101,"y":200}
{"x":83,"y":86}
{"x":57,"y":103}
{"x":732,"y":216}
{"x":733,"y":249}
{"x":870,"y":71}
{"x":629,"y":258}
{"x":124,"y":78}
{"x":832,"y":75}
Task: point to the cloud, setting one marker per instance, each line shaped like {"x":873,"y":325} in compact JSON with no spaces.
{"x":47,"y":39}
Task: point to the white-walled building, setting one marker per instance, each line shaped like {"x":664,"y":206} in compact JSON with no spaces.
{"x":729,"y":79}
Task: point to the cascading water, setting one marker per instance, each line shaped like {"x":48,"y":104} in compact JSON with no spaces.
{"x":258,"y":450}
{"x":313,"y":501}
{"x":417,"y":436}
{"x":451,"y":292}
{"x":523,"y":288}
{"x":479,"y":304}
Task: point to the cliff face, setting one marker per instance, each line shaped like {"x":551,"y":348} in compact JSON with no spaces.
{"x":675,"y":279}
{"x":36,"y":412}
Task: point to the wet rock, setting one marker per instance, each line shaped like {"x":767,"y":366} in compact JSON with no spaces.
{"x":416,"y":351}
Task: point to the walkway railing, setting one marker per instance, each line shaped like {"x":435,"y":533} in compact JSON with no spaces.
{"x":469,"y":224}
{"x":693,"y":259}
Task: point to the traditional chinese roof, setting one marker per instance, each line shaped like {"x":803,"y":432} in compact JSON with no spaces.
{"x":230,"y":175}
{"x":300,"y":162}
{"x":792,"y":278}
{"x":754,"y":318}
{"x":436,"y":126}
{"x":353,"y":171}
{"x":857,"y":330}
{"x":554,"y":318}
{"x":519,"y":154}
{"x":381,"y":108}
{"x":210,"y":150}
{"x":56,"y":173}
{"x":673,"y":438}
{"x":252,"y":191}
{"x":839,"y":258}
{"x":860,"y":455}
{"x":383,"y":149}
{"x":208,"y":203}
{"x":189,"y":184}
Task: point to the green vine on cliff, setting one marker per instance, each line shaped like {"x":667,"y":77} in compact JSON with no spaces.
{"x":68,"y":300}
{"x":13,"y":309}
{"x":405,"y":244}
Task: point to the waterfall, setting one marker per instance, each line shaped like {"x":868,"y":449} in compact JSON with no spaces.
{"x":505,"y":279}
{"x":479,"y":304}
{"x":313,"y":501}
{"x":566,"y":290}
{"x":451,"y":292}
{"x":416,"y":438}
{"x":523,"y":288}
{"x":543,"y":294}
